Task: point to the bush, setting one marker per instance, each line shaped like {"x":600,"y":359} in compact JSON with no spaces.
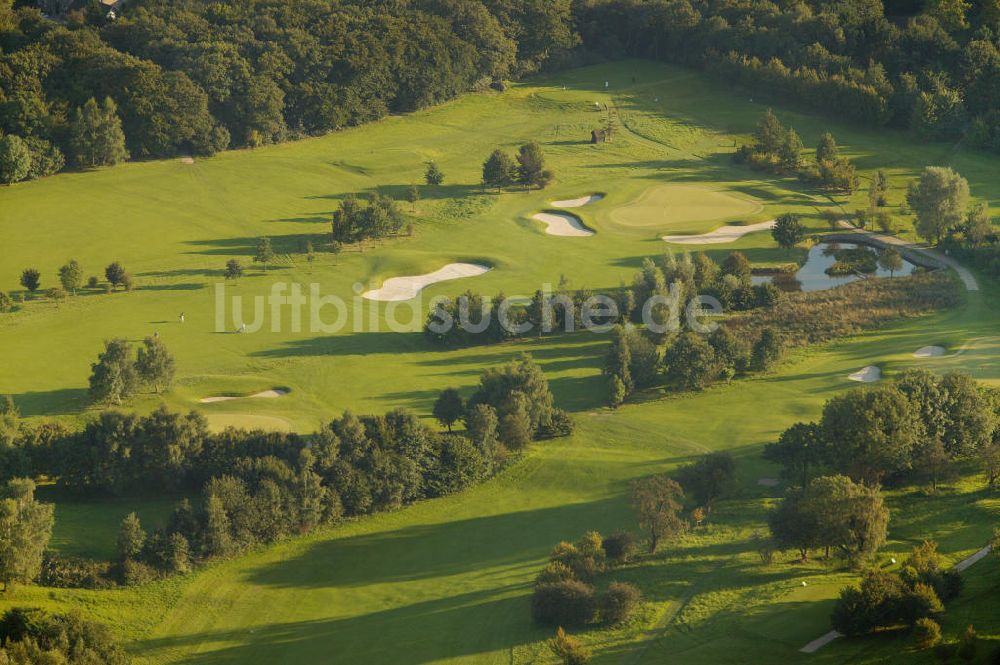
{"x":567,"y":603}
{"x":618,"y":602}
{"x":619,"y":546}
{"x":926,"y":634}
{"x":920,"y":602}
{"x":569,"y":649}
{"x":136,"y":573}
{"x":93,"y":282}
{"x":72,"y":573}
{"x":553,"y":573}
{"x":560,"y":424}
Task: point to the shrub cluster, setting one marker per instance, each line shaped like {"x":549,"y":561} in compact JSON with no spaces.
{"x":912,"y":597}
{"x":34,"y":636}
{"x":564,"y":595}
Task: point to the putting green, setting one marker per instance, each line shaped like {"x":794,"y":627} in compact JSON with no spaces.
{"x":667,"y":206}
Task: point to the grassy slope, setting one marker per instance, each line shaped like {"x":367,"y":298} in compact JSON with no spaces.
{"x":448,"y":581}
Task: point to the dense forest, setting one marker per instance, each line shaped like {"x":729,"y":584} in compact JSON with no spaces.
{"x":160,"y":78}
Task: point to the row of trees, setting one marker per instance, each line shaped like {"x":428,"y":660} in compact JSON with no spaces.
{"x":71,"y":280}
{"x":258,"y":487}
{"x":934,"y":72}
{"x":914,"y":428}
{"x":190,"y":78}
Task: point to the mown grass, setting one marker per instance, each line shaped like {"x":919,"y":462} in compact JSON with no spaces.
{"x":448,"y":581}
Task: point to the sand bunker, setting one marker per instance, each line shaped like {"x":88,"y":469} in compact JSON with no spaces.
{"x":578,"y":203}
{"x":396,"y":289}
{"x":187,"y":160}
{"x":559,"y":224}
{"x":866,"y":374}
{"x":720,"y":235}
{"x":767,"y":482}
{"x":929,"y":352}
{"x":267,"y":394}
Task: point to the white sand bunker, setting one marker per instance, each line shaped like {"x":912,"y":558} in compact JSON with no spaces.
{"x":396,"y":289}
{"x":559,"y":224}
{"x":187,"y":160}
{"x":866,"y":374}
{"x":267,"y":394}
{"x":578,"y":203}
{"x":720,"y":235}
{"x":929,"y":352}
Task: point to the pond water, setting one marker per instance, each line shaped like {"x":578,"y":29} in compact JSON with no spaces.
{"x":812,"y":276}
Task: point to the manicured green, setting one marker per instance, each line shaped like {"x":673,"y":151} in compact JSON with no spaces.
{"x":448,"y":581}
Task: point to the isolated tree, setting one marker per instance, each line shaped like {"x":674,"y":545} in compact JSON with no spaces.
{"x":890,"y":259}
{"x":770,"y":134}
{"x":932,"y":463}
{"x":852,"y":516}
{"x":499,"y":170}
{"x":154,"y":364}
{"x":788,"y":230}
{"x":658,"y":502}
{"x":131,"y":538}
{"x":568,"y":649}
{"x":531,"y":170}
{"x":31,"y":279}
{"x":433,"y":174}
{"x":234,"y":269}
{"x":826,"y":150}
{"x":115,"y":274}
{"x":6,"y":303}
{"x":265,"y":253}
{"x":96,"y":137}
{"x":15,"y":159}
{"x":708,"y":479}
{"x":939,"y":199}
{"x":113,"y":378}
{"x":310,"y":255}
{"x":978,"y":225}
{"x":449,"y":407}
{"x":413,"y":194}
{"x":790,"y":151}
{"x":25,"y":531}
{"x":794,"y":526}
{"x":877,"y":190}
{"x":71,"y":276}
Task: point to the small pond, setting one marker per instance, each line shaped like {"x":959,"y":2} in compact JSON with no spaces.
{"x":813,"y":275}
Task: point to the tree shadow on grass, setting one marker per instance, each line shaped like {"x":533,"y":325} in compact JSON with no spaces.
{"x":46,"y":402}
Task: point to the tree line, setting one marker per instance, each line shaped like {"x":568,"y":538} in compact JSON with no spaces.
{"x":71,"y":281}
{"x":256,"y":487}
{"x":931,"y":68}
{"x":167,"y":78}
